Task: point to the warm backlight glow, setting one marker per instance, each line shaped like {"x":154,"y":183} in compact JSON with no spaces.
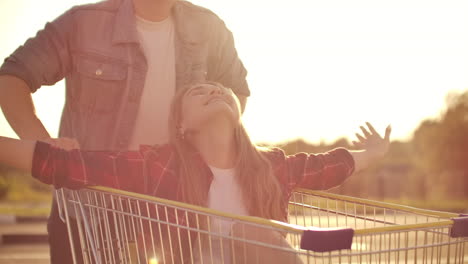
{"x":317,"y":69}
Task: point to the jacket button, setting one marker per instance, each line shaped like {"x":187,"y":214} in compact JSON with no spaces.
{"x":98,"y":72}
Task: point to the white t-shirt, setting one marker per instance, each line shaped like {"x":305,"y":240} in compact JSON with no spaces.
{"x":224,"y":195}
{"x":157,"y":43}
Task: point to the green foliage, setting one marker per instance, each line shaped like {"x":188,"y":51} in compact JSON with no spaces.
{"x":4,"y":187}
{"x":16,"y":186}
{"x":25,"y":208}
{"x":441,"y":149}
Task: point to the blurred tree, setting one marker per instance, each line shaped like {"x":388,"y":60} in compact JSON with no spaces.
{"x":17,"y":185}
{"x":441,"y":148}
{"x":4,"y":183}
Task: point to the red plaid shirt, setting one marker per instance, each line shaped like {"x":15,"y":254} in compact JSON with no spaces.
{"x":152,"y":169}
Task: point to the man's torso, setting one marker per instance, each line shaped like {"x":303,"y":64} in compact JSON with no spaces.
{"x":105,"y":87}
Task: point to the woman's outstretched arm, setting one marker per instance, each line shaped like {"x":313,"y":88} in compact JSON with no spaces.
{"x":18,"y":153}
{"x":74,"y":168}
{"x":327,"y":170}
{"x":60,"y":163}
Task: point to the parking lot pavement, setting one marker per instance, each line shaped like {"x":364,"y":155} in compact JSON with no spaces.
{"x":15,"y":247}
{"x":24,"y":254}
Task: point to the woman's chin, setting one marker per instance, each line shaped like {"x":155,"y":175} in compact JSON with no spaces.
{"x":219,"y":109}
{"x":222,"y":117}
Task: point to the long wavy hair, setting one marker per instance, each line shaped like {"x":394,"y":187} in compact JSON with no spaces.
{"x":261,"y":190}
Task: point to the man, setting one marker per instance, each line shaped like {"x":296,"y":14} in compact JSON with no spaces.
{"x":122,"y":61}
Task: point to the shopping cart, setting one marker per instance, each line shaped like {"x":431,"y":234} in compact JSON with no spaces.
{"x":115,"y":226}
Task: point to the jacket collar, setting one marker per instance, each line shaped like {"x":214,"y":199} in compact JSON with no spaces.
{"x":125,"y":24}
{"x":189,"y":25}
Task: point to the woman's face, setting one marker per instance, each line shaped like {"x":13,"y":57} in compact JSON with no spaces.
{"x":204,"y":103}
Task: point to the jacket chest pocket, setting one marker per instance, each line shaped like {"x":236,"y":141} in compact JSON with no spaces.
{"x":101,"y":85}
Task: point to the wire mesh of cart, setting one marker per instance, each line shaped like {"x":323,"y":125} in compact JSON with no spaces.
{"x":114,"y":226}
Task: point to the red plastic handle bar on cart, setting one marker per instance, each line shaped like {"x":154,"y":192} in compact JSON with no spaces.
{"x":324,"y":240}
{"x":460,"y":226}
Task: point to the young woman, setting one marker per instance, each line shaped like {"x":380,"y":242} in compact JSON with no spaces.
{"x":210,"y":161}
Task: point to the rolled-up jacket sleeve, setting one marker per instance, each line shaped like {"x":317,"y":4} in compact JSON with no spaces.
{"x":44,"y":59}
{"x":76,"y":168}
{"x":318,"y":171}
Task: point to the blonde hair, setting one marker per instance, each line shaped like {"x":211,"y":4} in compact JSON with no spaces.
{"x":261,"y":190}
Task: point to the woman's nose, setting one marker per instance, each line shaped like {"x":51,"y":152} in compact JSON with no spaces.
{"x":216,"y":90}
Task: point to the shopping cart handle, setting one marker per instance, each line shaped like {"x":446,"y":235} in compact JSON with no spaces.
{"x":327,"y":239}
{"x":460,"y":226}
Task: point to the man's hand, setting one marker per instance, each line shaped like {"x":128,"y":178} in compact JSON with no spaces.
{"x":372,"y":142}
{"x":63,"y":143}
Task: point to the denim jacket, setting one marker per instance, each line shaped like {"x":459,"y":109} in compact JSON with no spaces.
{"x":95,"y":47}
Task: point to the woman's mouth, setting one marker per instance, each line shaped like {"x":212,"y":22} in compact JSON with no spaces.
{"x":215,"y":99}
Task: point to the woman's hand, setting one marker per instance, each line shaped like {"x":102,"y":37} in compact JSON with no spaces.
{"x":372,"y":143}
{"x":63,"y":143}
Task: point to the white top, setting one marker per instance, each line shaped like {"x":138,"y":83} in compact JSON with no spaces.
{"x":224,"y":195}
{"x":157,"y":43}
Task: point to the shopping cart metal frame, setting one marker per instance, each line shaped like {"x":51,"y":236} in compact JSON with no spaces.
{"x":343,"y":227}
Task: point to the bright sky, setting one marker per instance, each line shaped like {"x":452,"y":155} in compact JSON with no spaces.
{"x":317,"y":69}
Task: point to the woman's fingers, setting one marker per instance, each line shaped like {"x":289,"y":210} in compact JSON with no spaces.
{"x":372,"y":129}
{"x":358,"y":145}
{"x":365,"y":132}
{"x":63,"y":143}
{"x":51,"y":141}
{"x":72,"y":143}
{"x":361,"y":138}
{"x":388,"y":131}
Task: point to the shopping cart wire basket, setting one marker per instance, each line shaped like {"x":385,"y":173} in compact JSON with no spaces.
{"x":114,"y":226}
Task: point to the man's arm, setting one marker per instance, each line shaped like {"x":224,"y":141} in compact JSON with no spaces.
{"x":17,"y":153}
{"x":226,"y":66}
{"x":18,"y":108}
{"x":242,"y":101}
{"x":42,"y":60}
